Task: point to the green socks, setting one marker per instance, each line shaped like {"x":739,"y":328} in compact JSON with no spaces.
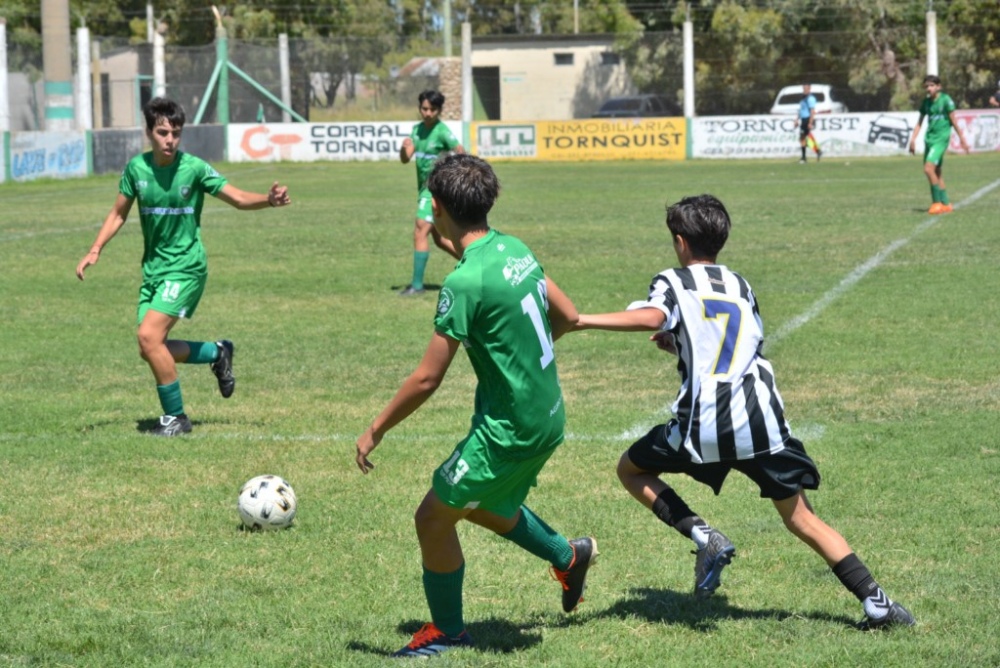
{"x":170,"y":398}
{"x":202,"y":352}
{"x":419,"y":267}
{"x":444,"y":598}
{"x":939,"y":194}
{"x":538,"y":538}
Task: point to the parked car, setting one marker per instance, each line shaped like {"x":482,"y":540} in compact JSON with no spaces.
{"x":633,"y":106}
{"x":787,"y":101}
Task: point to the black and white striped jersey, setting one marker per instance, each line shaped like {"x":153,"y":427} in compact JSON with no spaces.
{"x":728,"y":405}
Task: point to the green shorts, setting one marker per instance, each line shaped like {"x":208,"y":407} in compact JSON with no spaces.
{"x":177,"y":296}
{"x":934,"y":153}
{"x":425,"y":211}
{"x":476,"y":477}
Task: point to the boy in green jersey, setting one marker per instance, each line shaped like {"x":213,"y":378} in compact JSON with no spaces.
{"x":170,"y":186}
{"x":939,"y":109}
{"x":501,"y":307}
{"x":429,"y":139}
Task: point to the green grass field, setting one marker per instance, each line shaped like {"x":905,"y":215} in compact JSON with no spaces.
{"x":120,"y":549}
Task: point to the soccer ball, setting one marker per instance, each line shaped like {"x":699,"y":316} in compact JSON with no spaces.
{"x":266,"y":502}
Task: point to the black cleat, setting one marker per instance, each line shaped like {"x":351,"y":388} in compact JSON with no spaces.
{"x":709,"y":562}
{"x":410,"y":291}
{"x":574,"y":578}
{"x":223,"y":368}
{"x":897,"y":616}
{"x":819,"y":154}
{"x":430,"y":641}
{"x":172,"y":425}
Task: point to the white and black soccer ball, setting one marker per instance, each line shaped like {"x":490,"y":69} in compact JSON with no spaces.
{"x":266,"y":502}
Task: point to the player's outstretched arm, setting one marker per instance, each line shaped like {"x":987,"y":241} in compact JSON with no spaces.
{"x":112,"y":223}
{"x":637,"y":320}
{"x":277,"y":195}
{"x":414,"y":391}
{"x":563,"y":315}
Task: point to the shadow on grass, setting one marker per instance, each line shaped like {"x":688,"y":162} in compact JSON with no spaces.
{"x":662,"y":606}
{"x":665,"y":606}
{"x":497,"y":636}
{"x":429,"y":288}
{"x":147,"y":425}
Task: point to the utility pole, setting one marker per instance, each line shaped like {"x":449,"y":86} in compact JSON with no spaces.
{"x":57,"y":65}
{"x":932,"y":52}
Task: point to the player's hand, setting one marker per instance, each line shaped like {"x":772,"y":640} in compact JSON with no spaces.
{"x":89,"y":259}
{"x":278,"y":195}
{"x":366,"y":443}
{"x":408,"y":143}
{"x":664,"y":341}
{"x":913,"y":149}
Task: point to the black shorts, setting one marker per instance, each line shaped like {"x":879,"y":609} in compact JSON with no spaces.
{"x":803,"y":128}
{"x":779,"y":476}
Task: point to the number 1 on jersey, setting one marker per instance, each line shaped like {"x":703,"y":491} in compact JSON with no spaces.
{"x":530,"y":307}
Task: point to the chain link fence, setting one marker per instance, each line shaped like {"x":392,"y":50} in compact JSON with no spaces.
{"x":374,"y":79}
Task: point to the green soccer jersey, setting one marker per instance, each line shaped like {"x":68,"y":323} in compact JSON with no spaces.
{"x":495,"y":303}
{"x":170,"y":200}
{"x":428,"y":144}
{"x":938,"y":113}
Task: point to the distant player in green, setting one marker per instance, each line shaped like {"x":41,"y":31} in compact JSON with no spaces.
{"x":429,"y":140}
{"x":939,"y":110}
{"x":170,"y":186}
{"x":499,"y":306}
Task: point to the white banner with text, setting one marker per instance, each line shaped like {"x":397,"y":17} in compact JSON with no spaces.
{"x":308,"y":142}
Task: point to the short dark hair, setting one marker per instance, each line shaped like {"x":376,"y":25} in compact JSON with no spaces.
{"x":161,"y":107}
{"x":932,"y":78}
{"x":436,"y":98}
{"x":703,"y":222}
{"x":466,"y":186}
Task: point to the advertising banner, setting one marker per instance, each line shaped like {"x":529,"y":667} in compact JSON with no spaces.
{"x":35,"y":155}
{"x":3,"y":157}
{"x":981,"y":129}
{"x":515,"y":141}
{"x":308,"y":142}
{"x":583,"y":139}
{"x":839,"y":135}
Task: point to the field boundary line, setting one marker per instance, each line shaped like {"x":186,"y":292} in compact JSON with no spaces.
{"x":863,"y":270}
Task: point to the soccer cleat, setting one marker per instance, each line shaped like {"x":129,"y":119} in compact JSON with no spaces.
{"x":172,"y":425}
{"x":709,"y":562}
{"x":946,"y":208}
{"x":223,"y":368}
{"x":802,"y":161}
{"x":430,"y":641}
{"x":574,"y":578}
{"x":410,"y":291}
{"x":936,"y":208}
{"x":897,"y":616}
{"x":819,"y":154}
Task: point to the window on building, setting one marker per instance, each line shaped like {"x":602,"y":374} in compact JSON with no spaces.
{"x":610,"y":58}
{"x":563,"y":58}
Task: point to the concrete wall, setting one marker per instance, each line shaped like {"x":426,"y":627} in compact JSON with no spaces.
{"x":537,"y":83}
